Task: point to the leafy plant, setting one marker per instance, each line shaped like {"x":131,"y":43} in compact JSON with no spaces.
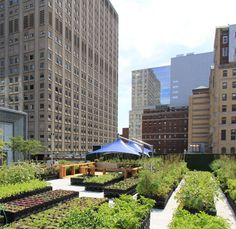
{"x":102,"y":179}
{"x":183,"y":219}
{"x":198,"y":191}
{"x":231,"y":184}
{"x":124,"y":184}
{"x":19,"y":188}
{"x":126,"y":213}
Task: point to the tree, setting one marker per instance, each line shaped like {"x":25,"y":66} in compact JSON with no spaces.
{"x":27,"y":147}
{"x":2,"y":144}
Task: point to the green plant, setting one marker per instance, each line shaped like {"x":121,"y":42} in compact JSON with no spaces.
{"x":198,"y":191}
{"x":183,"y":219}
{"x":126,"y":213}
{"x":102,"y":179}
{"x":18,"y":188}
{"x":124,"y":184}
{"x":231,"y":184}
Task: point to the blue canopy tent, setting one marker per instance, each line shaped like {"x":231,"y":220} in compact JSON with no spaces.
{"x":116,"y":147}
{"x":139,"y":149}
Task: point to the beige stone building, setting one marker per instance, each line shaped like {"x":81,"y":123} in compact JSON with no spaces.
{"x":59,"y":63}
{"x":223,"y":92}
{"x":145,"y":93}
{"x":199,"y":119}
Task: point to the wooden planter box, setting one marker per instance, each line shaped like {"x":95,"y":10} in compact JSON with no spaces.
{"x":112,"y":193}
{"x":12,"y":216}
{"x":25,"y":194}
{"x":99,"y":187}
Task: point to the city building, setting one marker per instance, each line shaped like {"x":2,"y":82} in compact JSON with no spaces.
{"x":188,"y":72}
{"x":166,"y":128}
{"x":145,"y":93}
{"x":59,"y":63}
{"x":125,"y":132}
{"x":12,"y":124}
{"x":223,"y":92}
{"x":199,"y":119}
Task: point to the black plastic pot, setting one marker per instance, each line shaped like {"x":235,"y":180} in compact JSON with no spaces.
{"x":112,"y":193}
{"x":25,"y":194}
{"x":195,"y":211}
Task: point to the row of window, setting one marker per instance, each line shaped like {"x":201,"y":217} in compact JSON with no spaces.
{"x":232,"y":150}
{"x":225,"y":72}
{"x":224,"y":120}
{"x":232,"y":134}
{"x":224,"y":108}
{"x":224,"y":96}
{"x":225,"y":85}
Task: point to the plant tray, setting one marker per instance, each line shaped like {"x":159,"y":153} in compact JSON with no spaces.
{"x":232,"y":203}
{"x":77,"y":181}
{"x":25,"y":194}
{"x":195,"y":211}
{"x":145,"y":223}
{"x":99,"y":187}
{"x":160,"y":201}
{"x":12,"y":216}
{"x":112,"y":193}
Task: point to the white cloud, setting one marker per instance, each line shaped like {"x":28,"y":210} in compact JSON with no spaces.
{"x":153,"y":31}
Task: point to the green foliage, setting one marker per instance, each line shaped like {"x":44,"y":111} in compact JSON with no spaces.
{"x":18,"y":173}
{"x":231,"y":184}
{"x":52,"y":217}
{"x":102,"y":179}
{"x":27,"y":147}
{"x":126,"y":213}
{"x":18,"y":188}
{"x":124,"y":184}
{"x":158,"y":178}
{"x":183,"y":219}
{"x":224,"y":169}
{"x":198,"y":191}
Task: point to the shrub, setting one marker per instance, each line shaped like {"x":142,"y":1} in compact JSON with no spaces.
{"x":231,"y":184}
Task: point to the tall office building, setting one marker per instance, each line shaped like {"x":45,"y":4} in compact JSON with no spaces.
{"x":188,"y":72}
{"x":59,"y":63}
{"x":145,"y":93}
{"x":223,"y":92}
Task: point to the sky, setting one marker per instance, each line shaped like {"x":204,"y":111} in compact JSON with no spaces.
{"x":153,"y":31}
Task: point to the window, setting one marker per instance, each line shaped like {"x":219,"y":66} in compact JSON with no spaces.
{"x":232,"y":150}
{"x":234,"y":107}
{"x":223,"y":120}
{"x":233,"y":134}
{"x":233,"y":96}
{"x":234,"y":72}
{"x":224,"y":85}
{"x":224,"y":97}
{"x":225,"y":39}
{"x":225,"y":73}
{"x":41,"y":105}
{"x":223,"y":150}
{"x":223,"y":135}
{"x":224,"y":52}
{"x":233,"y":120}
{"x":234,"y":84}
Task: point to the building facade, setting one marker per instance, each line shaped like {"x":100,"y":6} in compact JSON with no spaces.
{"x":187,"y":72}
{"x":145,"y":93}
{"x":223,"y":92}
{"x":59,"y":63}
{"x":199,"y":119}
{"x":166,"y":128}
{"x":12,"y":124}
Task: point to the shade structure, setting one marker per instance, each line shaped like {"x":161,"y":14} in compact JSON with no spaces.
{"x":118,"y":146}
{"x":139,"y":149}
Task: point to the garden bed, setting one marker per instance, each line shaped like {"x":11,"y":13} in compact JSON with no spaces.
{"x":127,"y":186}
{"x":78,"y":180}
{"x":26,"y":194}
{"x":25,"y":206}
{"x":196,"y":211}
{"x":98,"y":186}
{"x":160,"y":201}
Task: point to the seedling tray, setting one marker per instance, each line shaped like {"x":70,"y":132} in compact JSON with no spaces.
{"x":145,"y":223}
{"x":99,"y":187}
{"x":232,"y":203}
{"x":195,"y":211}
{"x":25,"y":194}
{"x":12,"y":216}
{"x":112,"y":193}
